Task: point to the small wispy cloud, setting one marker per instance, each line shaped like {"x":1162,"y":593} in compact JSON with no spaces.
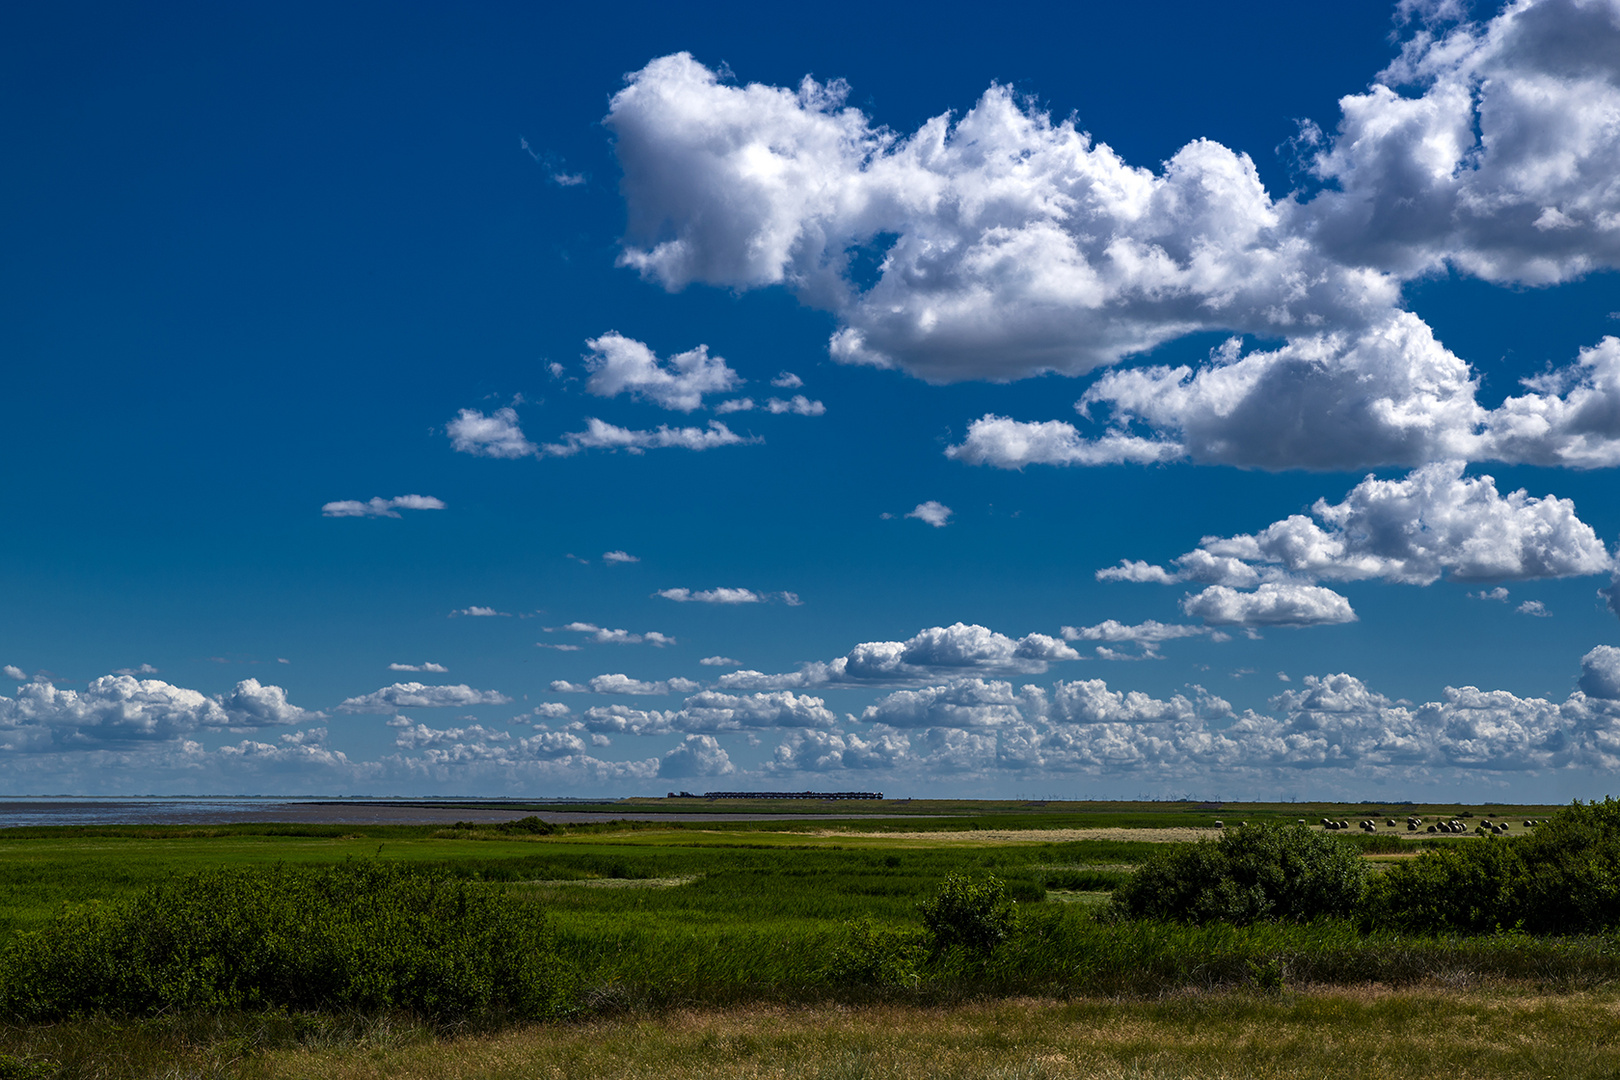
{"x":798,"y":404}
{"x":605,"y":636}
{"x":437,"y":669}
{"x":727,"y":595}
{"x":553,"y":165}
{"x":379,"y":507}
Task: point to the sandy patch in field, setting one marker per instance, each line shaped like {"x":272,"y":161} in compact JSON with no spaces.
{"x":612,"y":883}
{"x":1030,"y":836}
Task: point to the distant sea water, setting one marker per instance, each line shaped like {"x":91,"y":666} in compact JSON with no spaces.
{"x":67,"y":810}
{"x":226,"y":810}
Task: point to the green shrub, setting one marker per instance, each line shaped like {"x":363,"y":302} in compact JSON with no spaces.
{"x":975,"y":914}
{"x":1562,"y":879}
{"x":365,"y":936}
{"x":1254,"y":872}
{"x":1472,"y":888}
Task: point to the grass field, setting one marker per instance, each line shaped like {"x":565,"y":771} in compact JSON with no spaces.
{"x":714,"y":948}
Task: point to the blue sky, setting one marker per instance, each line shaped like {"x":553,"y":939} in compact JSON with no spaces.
{"x":1102,"y":402}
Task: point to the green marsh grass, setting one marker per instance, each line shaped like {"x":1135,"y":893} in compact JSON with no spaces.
{"x":817,"y":922}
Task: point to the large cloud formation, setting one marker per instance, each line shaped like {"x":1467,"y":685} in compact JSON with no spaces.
{"x":121,"y":709}
{"x":1434,"y":521}
{"x":1014,"y":245}
{"x":1008,"y":245}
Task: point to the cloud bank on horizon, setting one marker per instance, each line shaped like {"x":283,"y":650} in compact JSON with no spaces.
{"x":945,"y":720}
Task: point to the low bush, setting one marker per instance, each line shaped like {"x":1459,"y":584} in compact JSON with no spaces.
{"x":1253,"y":872}
{"x":360,"y":935}
{"x":531,"y":826}
{"x":1562,"y":879}
{"x":976,"y":914}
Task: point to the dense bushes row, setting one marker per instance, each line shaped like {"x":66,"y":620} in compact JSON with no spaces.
{"x":361,"y":935}
{"x":1252,"y":872}
{"x":1564,"y":878}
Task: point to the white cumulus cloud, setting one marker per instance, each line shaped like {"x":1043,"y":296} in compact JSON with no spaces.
{"x":698,"y":755}
{"x":1600,"y":673}
{"x":1008,"y":245}
{"x":828,"y":751}
{"x":958,"y":649}
{"x":253,"y":704}
{"x":1272,"y":604}
{"x":721,"y":595}
{"x":624,"y":684}
{"x":601,"y":435}
{"x":1150,"y":632}
{"x":496,"y":436}
{"x":604,"y":636}
{"x":1020,"y":245}
{"x":414,"y":695}
{"x":620,"y":365}
{"x":710,"y":711}
{"x":798,"y":405}
{"x":961,"y":703}
{"x":1434,"y":521}
{"x":379,"y":507}
{"x":933,"y":513}
{"x":121,"y":709}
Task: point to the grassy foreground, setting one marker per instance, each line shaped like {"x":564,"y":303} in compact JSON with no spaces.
{"x":1424,"y":1032}
{"x":740,"y":949}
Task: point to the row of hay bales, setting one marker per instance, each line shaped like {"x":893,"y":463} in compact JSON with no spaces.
{"x":1415,"y":823}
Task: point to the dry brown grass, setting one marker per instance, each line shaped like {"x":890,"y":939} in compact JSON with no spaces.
{"x":1358,"y":1032}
